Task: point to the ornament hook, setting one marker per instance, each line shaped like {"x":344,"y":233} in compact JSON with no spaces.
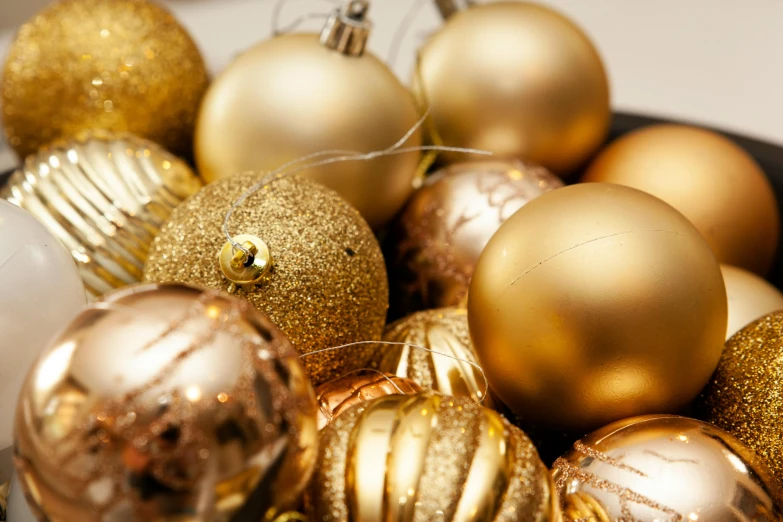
{"x":448,"y":8}
{"x":347,"y":29}
{"x":246,"y":265}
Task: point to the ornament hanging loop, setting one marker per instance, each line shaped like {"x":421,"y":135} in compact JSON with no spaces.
{"x":347,"y":29}
{"x":448,"y":8}
{"x":246,"y":265}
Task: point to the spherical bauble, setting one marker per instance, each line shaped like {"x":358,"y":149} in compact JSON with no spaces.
{"x":711,"y":180}
{"x":124,"y":65}
{"x":743,"y":396}
{"x":105,"y":197}
{"x":170,"y":403}
{"x":448,"y":222}
{"x":750,"y":297}
{"x":596,"y":302}
{"x":517,"y":79}
{"x":327,"y":285}
{"x":41,"y":292}
{"x":428,"y":457}
{"x":319,"y":100}
{"x":662,"y":467}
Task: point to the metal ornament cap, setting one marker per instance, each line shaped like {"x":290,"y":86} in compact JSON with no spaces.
{"x":347,"y":29}
{"x":241,"y":269}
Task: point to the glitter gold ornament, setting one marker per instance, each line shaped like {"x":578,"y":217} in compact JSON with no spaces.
{"x":596,"y":302}
{"x":744,"y":395}
{"x":166,"y":403}
{"x":662,"y":467}
{"x":105,"y":197}
{"x":517,"y":79}
{"x":428,"y":457}
{"x":335,"y":397}
{"x":122,"y":65}
{"x":449,"y":221}
{"x":327,"y":283}
{"x":711,"y":180}
{"x":294,"y":95}
{"x":750,"y":297}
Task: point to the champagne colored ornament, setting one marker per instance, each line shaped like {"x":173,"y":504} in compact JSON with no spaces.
{"x":744,"y":396}
{"x":122,"y":65}
{"x":294,"y":95}
{"x":40,"y":292}
{"x":711,"y":180}
{"x":105,"y":197}
{"x":166,"y":403}
{"x":517,"y":79}
{"x":662,"y":467}
{"x":335,"y":397}
{"x":325,"y":283}
{"x":428,"y":457}
{"x":449,"y":221}
{"x":750,"y":297}
{"x":596,"y":302}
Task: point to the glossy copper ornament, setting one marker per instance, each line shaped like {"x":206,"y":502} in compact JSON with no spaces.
{"x":750,"y":298}
{"x":166,"y":403}
{"x":662,"y":467}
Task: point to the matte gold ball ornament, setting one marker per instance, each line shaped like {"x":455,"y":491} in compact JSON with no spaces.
{"x":166,"y":403}
{"x":120,"y":65}
{"x":750,"y":298}
{"x":596,"y":302}
{"x":707,"y":177}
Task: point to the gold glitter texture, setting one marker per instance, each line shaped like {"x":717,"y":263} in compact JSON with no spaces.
{"x":425,"y":457}
{"x":327,"y":286}
{"x":123,"y":65}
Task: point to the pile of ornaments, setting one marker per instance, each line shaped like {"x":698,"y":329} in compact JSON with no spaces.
{"x":213,"y":343}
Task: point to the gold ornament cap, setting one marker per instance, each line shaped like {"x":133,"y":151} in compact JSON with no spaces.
{"x":448,"y":8}
{"x":347,"y":29}
{"x":248,"y":265}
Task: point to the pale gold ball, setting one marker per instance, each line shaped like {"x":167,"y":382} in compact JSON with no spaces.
{"x":122,"y":65}
{"x":750,"y":298}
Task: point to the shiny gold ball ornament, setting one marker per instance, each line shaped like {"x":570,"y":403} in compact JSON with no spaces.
{"x":121,"y":65}
{"x":518,"y":79}
{"x":166,"y":403}
{"x":750,"y":297}
{"x":295,"y":95}
{"x":326,"y":285}
{"x":428,"y":457}
{"x":662,"y":467}
{"x":744,"y":395}
{"x":596,"y":302}
{"x":104,"y":196}
{"x":707,"y":177}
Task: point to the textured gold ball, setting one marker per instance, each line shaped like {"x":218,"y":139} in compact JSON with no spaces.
{"x":327,"y":285}
{"x":104,"y":196}
{"x":750,"y":297}
{"x":123,"y":65}
{"x":166,"y":403}
{"x":428,"y":457}
{"x":291,"y":96}
{"x":448,"y":222}
{"x":744,"y":396}
{"x":517,"y":79}
{"x":662,"y":467}
{"x":596,"y":302}
{"x":711,"y":180}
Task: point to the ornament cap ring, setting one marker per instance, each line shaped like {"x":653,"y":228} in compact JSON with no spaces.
{"x":239,"y":267}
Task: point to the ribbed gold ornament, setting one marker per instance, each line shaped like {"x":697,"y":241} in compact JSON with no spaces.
{"x":105,"y":197}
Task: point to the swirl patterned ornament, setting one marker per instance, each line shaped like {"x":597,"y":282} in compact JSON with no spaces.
{"x":166,"y":403}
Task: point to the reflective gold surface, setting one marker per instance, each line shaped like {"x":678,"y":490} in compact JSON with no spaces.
{"x":596,"y":302}
{"x":662,"y":467}
{"x":711,"y":180}
{"x":448,"y":222}
{"x":105,"y":196}
{"x":428,"y":458}
{"x":166,"y":403}
{"x":750,"y":297}
{"x":517,"y":79}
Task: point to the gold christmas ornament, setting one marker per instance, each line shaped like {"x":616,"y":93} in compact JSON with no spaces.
{"x":428,"y":457}
{"x":596,"y":302}
{"x":166,"y":403}
{"x":517,"y":79}
{"x":337,"y":396}
{"x":121,"y":65}
{"x":662,"y":467}
{"x":295,"y":95}
{"x":449,"y":221}
{"x":710,"y":179}
{"x":744,"y":396}
{"x":750,"y":297}
{"x":326,"y":283}
{"x":105,"y":197}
